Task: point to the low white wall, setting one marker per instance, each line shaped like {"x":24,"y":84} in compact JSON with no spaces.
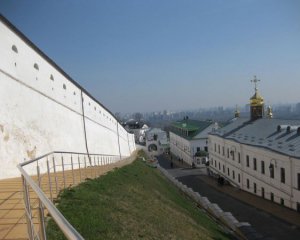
{"x":42,"y":109}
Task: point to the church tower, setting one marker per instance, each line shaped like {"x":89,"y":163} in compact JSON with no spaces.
{"x":256,"y":103}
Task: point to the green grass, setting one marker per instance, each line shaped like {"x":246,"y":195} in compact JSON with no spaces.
{"x":133,"y":202}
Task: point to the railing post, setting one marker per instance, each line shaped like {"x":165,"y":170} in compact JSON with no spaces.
{"x":72,"y":169}
{"x":27,"y":209}
{"x":41,"y":211}
{"x":79,"y":167}
{"x":85,"y":174}
{"x":63,"y":170}
{"x":91,"y":165}
{"x":55,"y":176}
{"x":49,"y":180}
{"x":98,"y":174}
{"x":94,"y":167}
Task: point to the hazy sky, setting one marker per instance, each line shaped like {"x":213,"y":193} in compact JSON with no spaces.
{"x":146,"y":55}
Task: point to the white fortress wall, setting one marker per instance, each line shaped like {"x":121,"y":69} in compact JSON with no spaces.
{"x":42,"y":111}
{"x":125,"y":148}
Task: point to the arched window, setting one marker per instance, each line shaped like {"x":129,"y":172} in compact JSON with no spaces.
{"x":14,"y":48}
{"x":36,"y":66}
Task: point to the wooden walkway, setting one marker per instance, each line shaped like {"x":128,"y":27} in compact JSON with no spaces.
{"x":12,"y":214}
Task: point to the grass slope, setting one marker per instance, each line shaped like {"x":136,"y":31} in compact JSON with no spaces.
{"x":133,"y":202}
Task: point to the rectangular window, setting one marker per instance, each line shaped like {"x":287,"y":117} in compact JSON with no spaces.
{"x":232,"y":153}
{"x":262,"y":164}
{"x":219,"y":148}
{"x":227,"y":152}
{"x":228,"y":173}
{"x":282,"y":201}
{"x":262,"y":192}
{"x":248,"y":184}
{"x":215,"y":147}
{"x":239,"y":157}
{"x":271,"y":167}
{"x":282,"y":175}
{"x":223,"y":168}
{"x":254,"y":164}
{"x":223,"y":149}
{"x":198,"y":149}
{"x":298,"y":181}
{"x":272,"y":197}
{"x":219,"y":166}
{"x":233,"y":174}
{"x":254,"y":187}
{"x":239,"y":178}
{"x":247,"y":161}
{"x":215,"y":163}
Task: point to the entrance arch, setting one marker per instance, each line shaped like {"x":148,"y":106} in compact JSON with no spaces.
{"x":152,"y":148}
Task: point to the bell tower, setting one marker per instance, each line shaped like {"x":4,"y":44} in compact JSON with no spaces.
{"x":256,"y":103}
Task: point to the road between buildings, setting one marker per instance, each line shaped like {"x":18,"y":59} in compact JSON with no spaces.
{"x":263,"y":222}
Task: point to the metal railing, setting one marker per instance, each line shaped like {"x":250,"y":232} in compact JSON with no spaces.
{"x":44,"y":177}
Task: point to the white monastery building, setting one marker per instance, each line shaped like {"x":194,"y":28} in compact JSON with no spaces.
{"x":157,"y":141}
{"x":260,"y":155}
{"x":189,"y":137}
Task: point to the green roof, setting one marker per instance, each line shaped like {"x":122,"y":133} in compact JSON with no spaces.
{"x":194,"y":127}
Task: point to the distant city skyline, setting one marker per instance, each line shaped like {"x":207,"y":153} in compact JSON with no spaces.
{"x":143,"y":56}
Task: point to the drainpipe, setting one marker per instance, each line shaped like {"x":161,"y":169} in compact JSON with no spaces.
{"x":84,"y":128}
{"x":291,"y":181}
{"x":128,"y":144}
{"x":242,"y":166}
{"x":119,"y":140}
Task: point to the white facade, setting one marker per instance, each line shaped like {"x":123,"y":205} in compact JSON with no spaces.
{"x":157,"y":141}
{"x":44,"y":110}
{"x":248,"y":167}
{"x":186,"y":148}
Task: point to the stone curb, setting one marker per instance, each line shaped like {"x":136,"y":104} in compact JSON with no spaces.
{"x":213,"y":209}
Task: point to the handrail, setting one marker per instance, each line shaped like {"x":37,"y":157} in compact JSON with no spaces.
{"x":63,"y":152}
{"x":69,"y":231}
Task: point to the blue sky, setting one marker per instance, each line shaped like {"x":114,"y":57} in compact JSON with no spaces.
{"x":139,"y":55}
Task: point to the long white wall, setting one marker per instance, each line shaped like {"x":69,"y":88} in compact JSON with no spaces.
{"x":42,"y":110}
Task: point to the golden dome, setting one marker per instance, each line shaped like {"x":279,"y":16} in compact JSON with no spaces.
{"x":256,"y":99}
{"x":256,"y":103}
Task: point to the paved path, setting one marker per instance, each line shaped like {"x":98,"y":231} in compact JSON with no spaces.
{"x":12,"y":218}
{"x":240,"y":203}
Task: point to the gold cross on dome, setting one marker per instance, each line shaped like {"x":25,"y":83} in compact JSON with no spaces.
{"x":255,"y":81}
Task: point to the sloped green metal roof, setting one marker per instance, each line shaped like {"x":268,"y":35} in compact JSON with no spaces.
{"x":194,"y":127}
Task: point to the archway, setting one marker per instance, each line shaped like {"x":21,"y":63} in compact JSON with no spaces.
{"x":152,"y":147}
